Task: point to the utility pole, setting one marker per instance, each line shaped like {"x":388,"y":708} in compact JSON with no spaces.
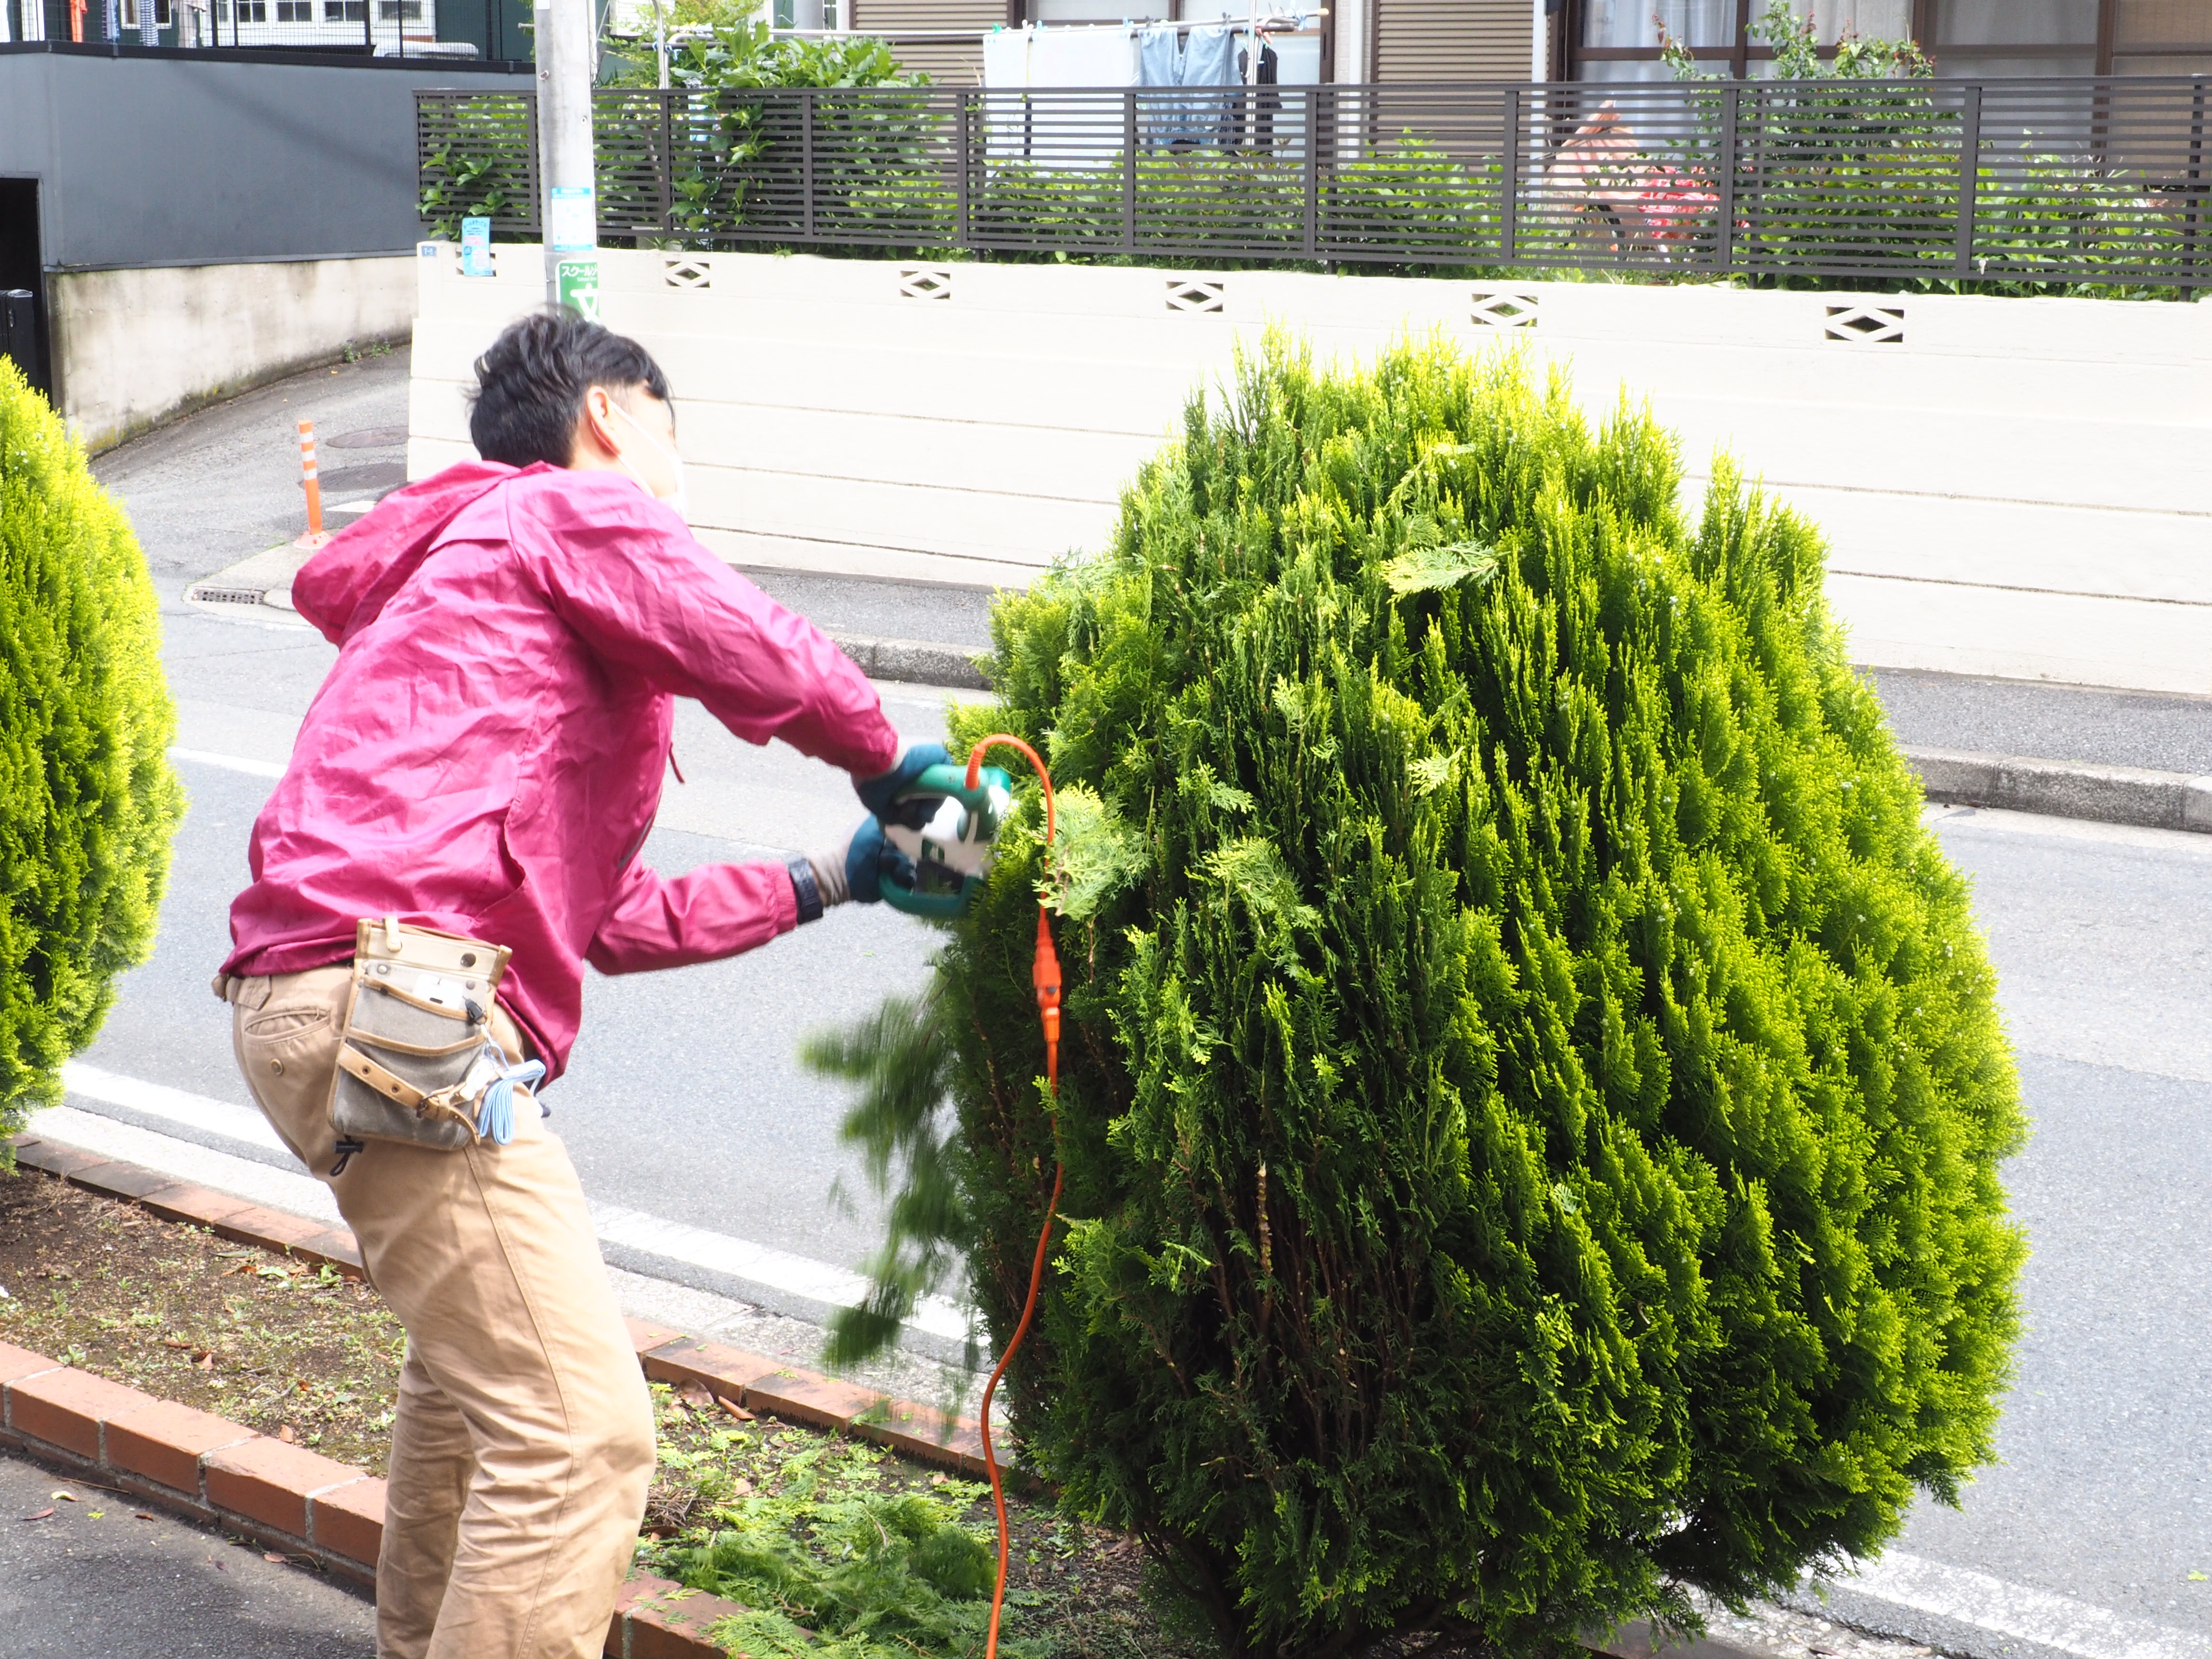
{"x":569,"y":212}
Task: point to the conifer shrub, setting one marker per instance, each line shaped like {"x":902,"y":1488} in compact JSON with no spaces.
{"x":88,"y":802}
{"x":1531,"y":1093}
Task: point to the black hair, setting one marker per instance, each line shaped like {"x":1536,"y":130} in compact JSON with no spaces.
{"x":531,"y":385}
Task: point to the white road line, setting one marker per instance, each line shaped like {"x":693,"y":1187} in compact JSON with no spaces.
{"x":2014,"y":1610}
{"x":798,"y":1275}
{"x":630,"y":1233}
{"x":229,"y":762}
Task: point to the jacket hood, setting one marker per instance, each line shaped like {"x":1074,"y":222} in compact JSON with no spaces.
{"x":344,"y":588}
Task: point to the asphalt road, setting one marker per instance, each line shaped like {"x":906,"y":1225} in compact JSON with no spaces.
{"x":2103,"y":941}
{"x":95,"y":1579}
{"x":686,"y":1101}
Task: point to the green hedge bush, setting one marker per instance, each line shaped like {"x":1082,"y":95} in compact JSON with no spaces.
{"x":1532,"y":1091}
{"x":88,"y":802}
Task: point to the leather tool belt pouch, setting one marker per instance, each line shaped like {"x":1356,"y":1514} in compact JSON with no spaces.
{"x":414,"y":1060}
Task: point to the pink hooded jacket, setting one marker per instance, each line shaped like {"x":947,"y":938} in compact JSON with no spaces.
{"x":487,"y":754}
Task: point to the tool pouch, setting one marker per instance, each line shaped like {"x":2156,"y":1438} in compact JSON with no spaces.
{"x":418,"y":1055}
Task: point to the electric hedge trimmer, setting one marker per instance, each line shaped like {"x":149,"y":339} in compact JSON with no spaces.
{"x":944,"y":826}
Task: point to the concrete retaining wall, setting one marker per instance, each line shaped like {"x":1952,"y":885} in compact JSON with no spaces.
{"x":132,"y":348}
{"x":2020,"y":487}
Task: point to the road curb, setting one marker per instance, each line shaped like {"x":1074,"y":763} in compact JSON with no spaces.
{"x":2068,"y":789}
{"x":920,"y":660}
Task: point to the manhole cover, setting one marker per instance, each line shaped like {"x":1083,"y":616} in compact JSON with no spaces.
{"x":375,"y":437}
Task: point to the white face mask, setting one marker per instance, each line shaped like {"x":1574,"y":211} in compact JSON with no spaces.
{"x":678,"y":499}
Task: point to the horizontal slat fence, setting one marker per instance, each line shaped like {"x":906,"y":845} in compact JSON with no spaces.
{"x":2052,"y":181}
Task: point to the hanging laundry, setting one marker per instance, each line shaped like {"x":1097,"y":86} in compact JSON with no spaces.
{"x":1209,"y":56}
{"x":1083,"y":57}
{"x":1270,"y":102}
{"x":1209,"y":59}
{"x":1159,"y":63}
{"x":1042,"y":87}
{"x":1160,"y":56}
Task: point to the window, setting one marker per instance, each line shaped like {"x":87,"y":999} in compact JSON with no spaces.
{"x":1621,"y":40}
{"x":345,"y":11}
{"x":295,"y":12}
{"x":2071,"y":37}
{"x":394,"y":11}
{"x":246,"y":11}
{"x":130,"y":15}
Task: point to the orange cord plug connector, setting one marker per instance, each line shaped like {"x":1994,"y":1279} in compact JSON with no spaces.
{"x":1045,"y":974}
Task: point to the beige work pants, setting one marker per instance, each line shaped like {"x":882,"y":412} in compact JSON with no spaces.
{"x":522,"y":1444}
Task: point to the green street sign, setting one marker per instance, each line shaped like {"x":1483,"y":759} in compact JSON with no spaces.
{"x":577,"y":282}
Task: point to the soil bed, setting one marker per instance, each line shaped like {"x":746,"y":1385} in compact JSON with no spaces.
{"x":306,"y":1355}
{"x":295,"y":1352}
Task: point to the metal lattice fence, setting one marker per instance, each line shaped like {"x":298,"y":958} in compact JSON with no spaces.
{"x":2060,"y":182}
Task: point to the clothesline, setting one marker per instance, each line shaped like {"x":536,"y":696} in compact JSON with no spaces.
{"x":1281,"y":23}
{"x":1290,"y":23}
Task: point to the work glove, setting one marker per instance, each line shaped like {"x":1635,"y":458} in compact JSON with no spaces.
{"x":854,"y":871}
{"x":877,"y":793}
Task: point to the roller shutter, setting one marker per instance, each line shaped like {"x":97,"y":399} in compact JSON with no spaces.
{"x":1417,"y":40}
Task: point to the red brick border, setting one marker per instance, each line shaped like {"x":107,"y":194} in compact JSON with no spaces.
{"x":285,"y":1496}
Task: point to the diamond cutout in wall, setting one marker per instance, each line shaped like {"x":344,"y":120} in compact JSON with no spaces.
{"x":686,"y":270}
{"x":1504,"y":308}
{"x":1866,"y":324}
{"x":924,"y":282}
{"x":1193,"y":296}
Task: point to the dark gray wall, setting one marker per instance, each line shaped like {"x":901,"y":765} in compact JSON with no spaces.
{"x":183,"y":158}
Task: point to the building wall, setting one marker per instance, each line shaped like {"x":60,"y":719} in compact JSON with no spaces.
{"x":207,"y":221}
{"x":2010,"y":487}
{"x":1443,"y":40}
{"x":189,"y":157}
{"x":951,"y":62}
{"x":136,"y":347}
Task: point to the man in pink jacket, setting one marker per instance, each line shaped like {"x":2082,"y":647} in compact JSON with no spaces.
{"x":485,"y":759}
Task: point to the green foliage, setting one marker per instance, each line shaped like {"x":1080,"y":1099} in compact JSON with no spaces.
{"x":88,"y":802}
{"x":1797,"y":51}
{"x":1531,"y":1093}
{"x":725,"y":47}
{"x":829,"y":1571}
{"x":479,"y":166}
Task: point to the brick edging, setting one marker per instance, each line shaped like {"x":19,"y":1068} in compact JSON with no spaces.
{"x":209,"y":1469}
{"x":191,"y":1462}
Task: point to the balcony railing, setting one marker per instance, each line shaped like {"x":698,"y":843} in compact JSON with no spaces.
{"x":2015,"y":181}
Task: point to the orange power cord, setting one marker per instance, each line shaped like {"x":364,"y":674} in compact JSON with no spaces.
{"x":1046,"y":976}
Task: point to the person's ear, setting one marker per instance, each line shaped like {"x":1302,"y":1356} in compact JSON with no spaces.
{"x":598,"y":421}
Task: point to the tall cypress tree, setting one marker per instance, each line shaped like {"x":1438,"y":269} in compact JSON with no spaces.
{"x":1532,"y":1094}
{"x":88,"y":802}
